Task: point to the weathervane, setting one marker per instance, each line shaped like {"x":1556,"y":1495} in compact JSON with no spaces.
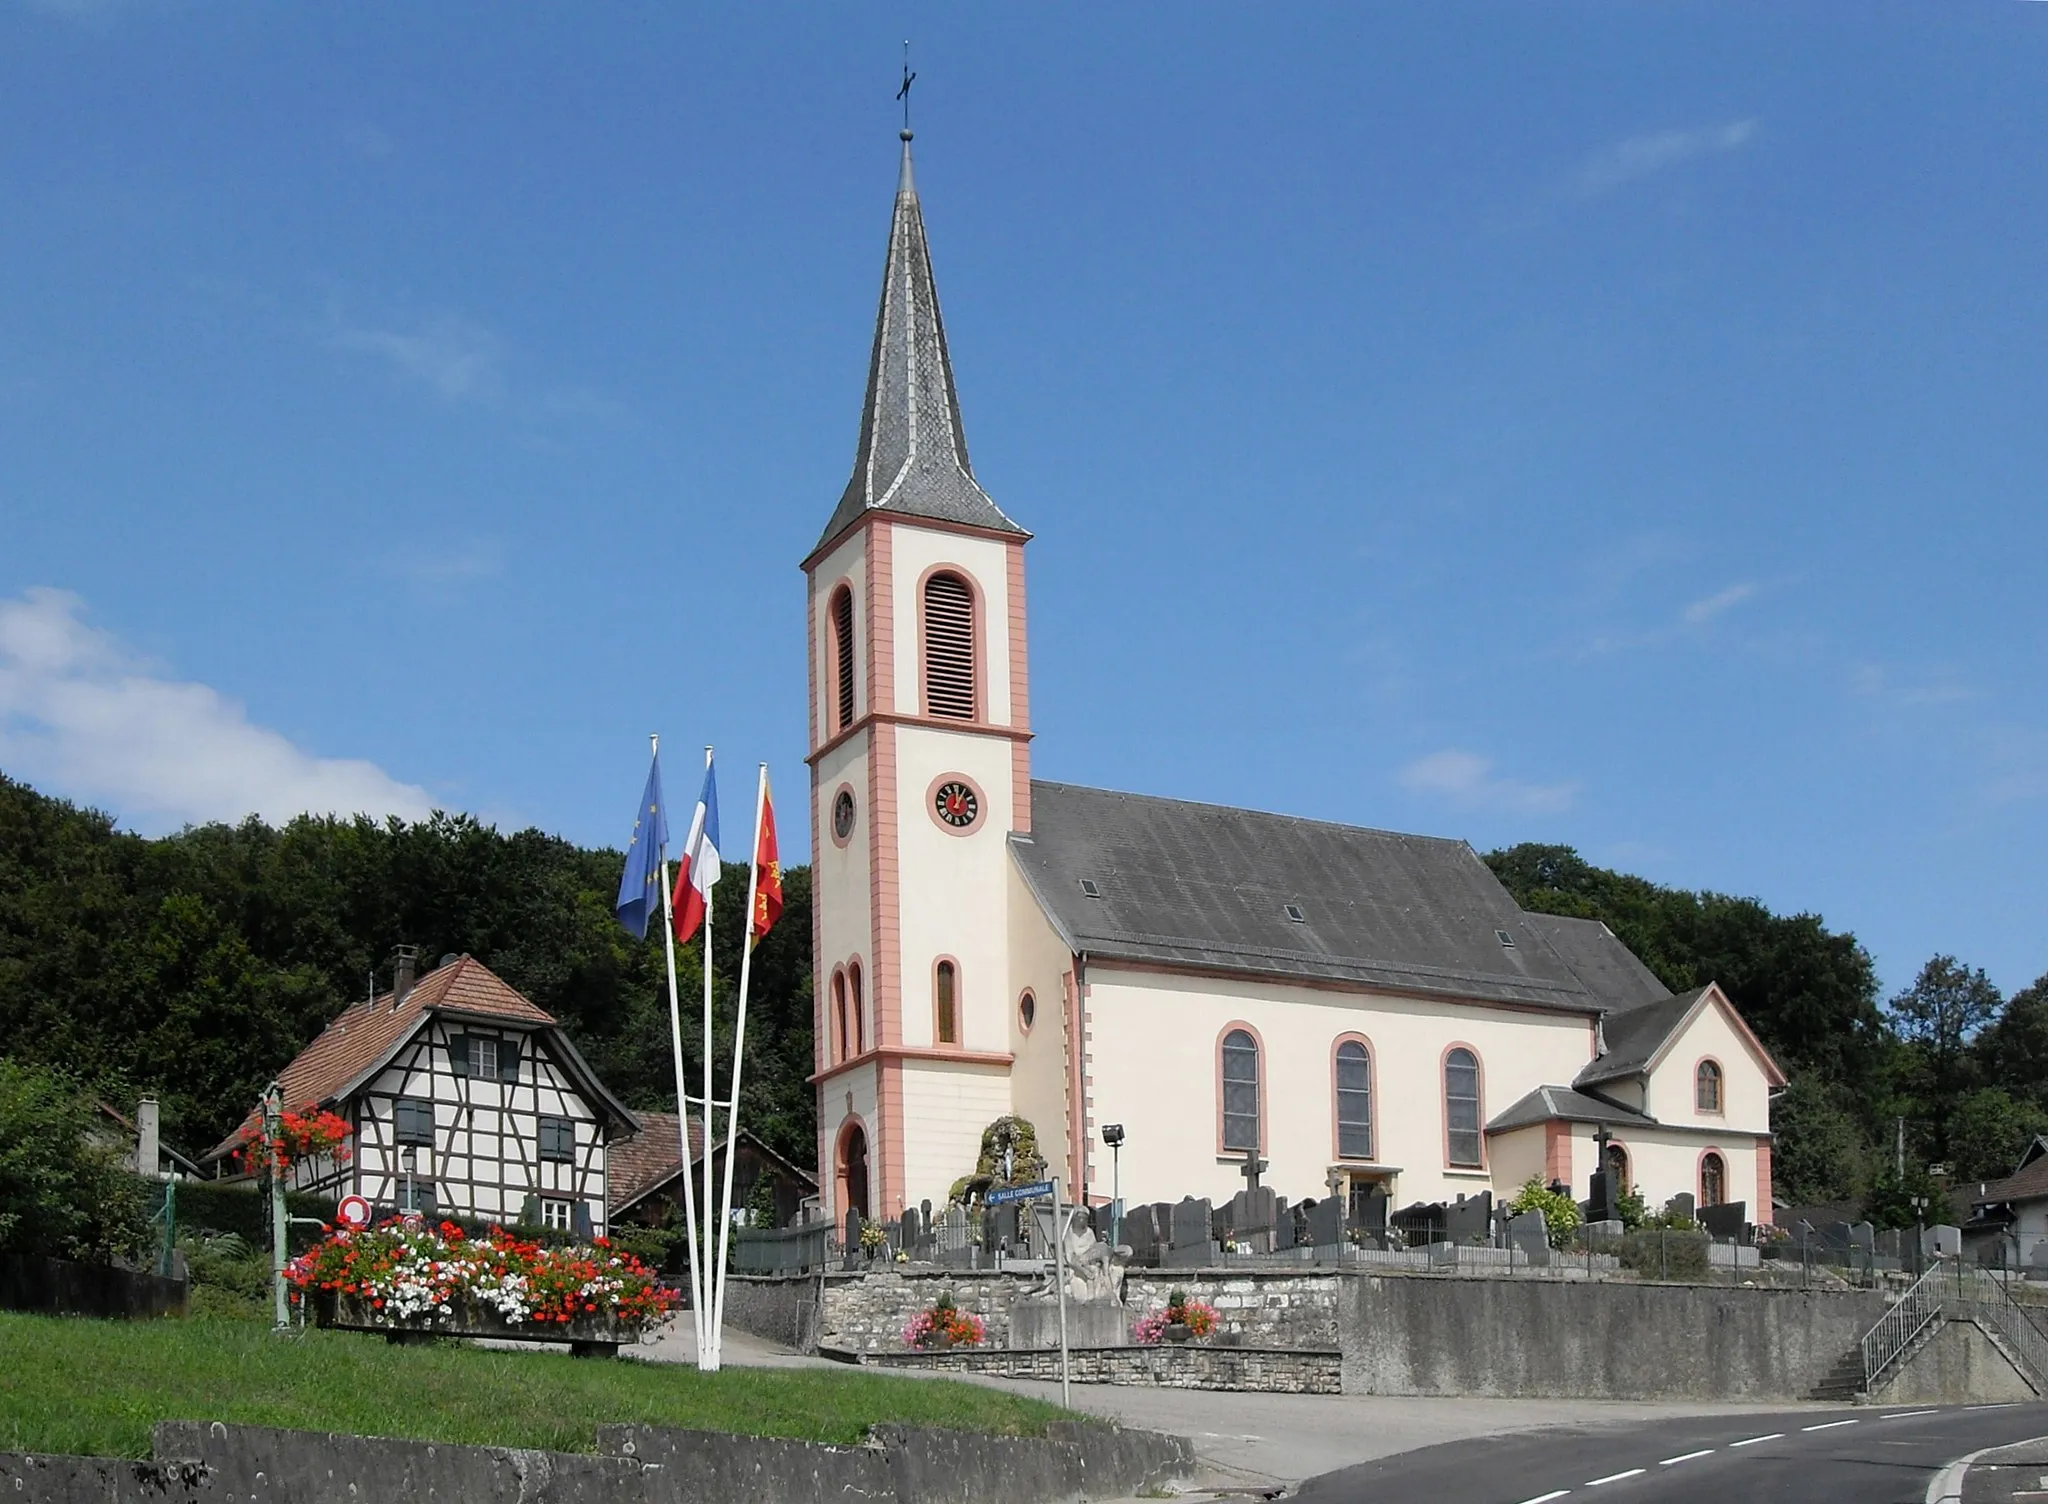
{"x":903,"y":93}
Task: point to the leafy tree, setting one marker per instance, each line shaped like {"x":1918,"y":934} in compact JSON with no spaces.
{"x":1936,"y":1019}
{"x":1561,"y":1215}
{"x":2013,"y":1053}
{"x":1890,"y":1200}
{"x":1822,"y":1151}
{"x":1988,"y":1131}
{"x":62,"y":1194}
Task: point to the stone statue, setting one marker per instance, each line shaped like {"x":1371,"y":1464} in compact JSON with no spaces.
{"x":1092,"y":1272}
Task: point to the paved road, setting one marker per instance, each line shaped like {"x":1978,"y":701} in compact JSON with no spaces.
{"x":1864,"y":1456}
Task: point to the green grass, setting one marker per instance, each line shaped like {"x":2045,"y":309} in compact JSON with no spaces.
{"x":98,"y":1387}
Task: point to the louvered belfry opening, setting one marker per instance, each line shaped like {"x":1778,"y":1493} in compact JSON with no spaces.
{"x":949,"y":647}
{"x":842,"y":657}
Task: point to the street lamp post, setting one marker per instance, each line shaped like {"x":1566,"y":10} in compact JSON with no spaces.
{"x":1113,"y":1135}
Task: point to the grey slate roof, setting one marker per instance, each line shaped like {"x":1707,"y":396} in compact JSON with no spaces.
{"x":1609,"y":969}
{"x":1550,"y":1103}
{"x":1204,"y":885}
{"x":1634,"y":1035}
{"x":913,"y":451}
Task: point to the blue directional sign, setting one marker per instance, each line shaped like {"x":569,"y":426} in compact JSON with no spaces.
{"x":1020,"y":1192}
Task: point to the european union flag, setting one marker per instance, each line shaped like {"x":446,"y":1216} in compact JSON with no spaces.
{"x":640,"y":889}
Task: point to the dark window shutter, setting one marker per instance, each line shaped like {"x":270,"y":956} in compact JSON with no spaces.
{"x":948,"y":647}
{"x":508,"y":1059}
{"x":458,"y":1054}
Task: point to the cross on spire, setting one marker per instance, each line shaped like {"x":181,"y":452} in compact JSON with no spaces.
{"x":903,"y":93}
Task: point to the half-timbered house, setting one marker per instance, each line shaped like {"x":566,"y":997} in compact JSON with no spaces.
{"x":465,"y":1099}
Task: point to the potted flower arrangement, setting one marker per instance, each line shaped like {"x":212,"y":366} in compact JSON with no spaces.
{"x":305,"y":1134}
{"x":418,"y":1281}
{"x":1183,"y":1320}
{"x":945,"y":1325}
{"x":874,"y":1239}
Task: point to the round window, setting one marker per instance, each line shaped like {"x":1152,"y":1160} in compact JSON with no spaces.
{"x":842,"y":814}
{"x":1027,"y":1011}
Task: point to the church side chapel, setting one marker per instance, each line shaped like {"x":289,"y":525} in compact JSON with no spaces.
{"x":1361,"y":1012}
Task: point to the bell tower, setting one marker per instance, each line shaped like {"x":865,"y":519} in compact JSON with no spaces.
{"x":920,"y":735}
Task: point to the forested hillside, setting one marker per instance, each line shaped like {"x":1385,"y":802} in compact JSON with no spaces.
{"x":196,"y":965}
{"x":1965,"y":1068}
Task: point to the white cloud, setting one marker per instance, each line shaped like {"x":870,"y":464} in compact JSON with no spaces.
{"x":81,"y":716}
{"x":1705,"y":610}
{"x":1644,"y":156}
{"x":1466,"y":779}
{"x":457,"y":359}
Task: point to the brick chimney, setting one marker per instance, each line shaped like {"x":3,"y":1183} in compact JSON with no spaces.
{"x":405,"y":961}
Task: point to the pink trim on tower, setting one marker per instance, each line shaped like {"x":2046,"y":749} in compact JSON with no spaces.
{"x":1372,"y":1100}
{"x":1070,"y":1007}
{"x":977,"y":636}
{"x":885,"y":971}
{"x":1557,"y":1152}
{"x":1264,"y":1083}
{"x":1763,"y":1217}
{"x":1020,"y":688}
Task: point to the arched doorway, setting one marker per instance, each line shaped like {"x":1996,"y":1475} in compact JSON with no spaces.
{"x":1617,"y":1169}
{"x":853,"y":1170}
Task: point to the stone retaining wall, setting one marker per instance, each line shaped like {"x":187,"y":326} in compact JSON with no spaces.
{"x":196,"y":1461}
{"x":1190,"y":1366}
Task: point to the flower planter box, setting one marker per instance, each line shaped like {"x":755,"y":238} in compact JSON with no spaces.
{"x":585,"y":1336}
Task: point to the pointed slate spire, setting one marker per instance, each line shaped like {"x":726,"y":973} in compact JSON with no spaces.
{"x":913,"y":452}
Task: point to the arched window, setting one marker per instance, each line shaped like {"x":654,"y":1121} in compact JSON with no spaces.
{"x":1713,"y":1179}
{"x":949,"y":688}
{"x":839,"y":1037}
{"x":1706,"y":1087}
{"x":1354,"y":1101}
{"x":1240,"y":1090}
{"x":1617,"y":1169}
{"x":842,"y":659}
{"x":945,"y":991}
{"x":860,"y":1019}
{"x":1461,"y":1109}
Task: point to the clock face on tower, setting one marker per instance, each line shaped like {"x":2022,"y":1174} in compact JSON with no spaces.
{"x":842,"y":814}
{"x":956,"y":804}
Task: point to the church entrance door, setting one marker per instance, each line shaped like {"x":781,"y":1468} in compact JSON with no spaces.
{"x":853,"y":1170}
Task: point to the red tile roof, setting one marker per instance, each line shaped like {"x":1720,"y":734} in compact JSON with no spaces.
{"x":2029,"y":1183}
{"x":367,"y":1031}
{"x":634,"y":1166}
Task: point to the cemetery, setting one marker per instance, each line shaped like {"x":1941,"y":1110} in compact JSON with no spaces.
{"x":1346,"y":1296}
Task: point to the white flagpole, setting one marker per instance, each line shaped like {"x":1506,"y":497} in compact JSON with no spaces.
{"x":739,"y":1045}
{"x":707,"y":1355}
{"x":675,"y":1037}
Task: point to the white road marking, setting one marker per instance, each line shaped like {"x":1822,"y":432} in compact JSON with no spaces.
{"x":2001,"y":1405}
{"x":1829,"y":1426}
{"x":1902,"y":1414}
{"x":1774,"y":1436}
{"x":1687,"y":1457}
{"x":1555,"y":1493}
{"x":1614,"y":1477}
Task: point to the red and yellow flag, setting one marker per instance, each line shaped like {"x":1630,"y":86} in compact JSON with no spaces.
{"x":768,"y":867}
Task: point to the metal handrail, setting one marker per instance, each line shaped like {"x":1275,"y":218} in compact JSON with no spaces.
{"x":1895,"y":1331}
{"x":2013,"y":1324}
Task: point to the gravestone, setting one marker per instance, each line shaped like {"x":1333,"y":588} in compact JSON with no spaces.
{"x":1529,"y":1235}
{"x":1371,"y":1214}
{"x":1726,"y":1221}
{"x":1942,"y":1241}
{"x":852,"y":1244}
{"x":1326,"y":1225}
{"x":1681,"y":1205}
{"x":1469,"y":1219}
{"x":1283,"y":1225}
{"x":1140,"y":1235}
{"x":1192,"y":1230}
{"x":912,"y":1236}
{"x":1251,"y":1210}
{"x":1005,"y":1223}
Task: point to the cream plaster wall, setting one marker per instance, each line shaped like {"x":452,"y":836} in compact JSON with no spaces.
{"x":1662,"y":1163}
{"x":954,"y":899}
{"x":840,"y":880}
{"x":1745,"y":1090}
{"x":1514,"y":1157}
{"x":1039,"y":960}
{"x":986,"y":562}
{"x":1154,"y":1045}
{"x":945,"y":1107}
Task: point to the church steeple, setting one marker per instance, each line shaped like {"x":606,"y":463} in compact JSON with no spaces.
{"x":913,"y":451}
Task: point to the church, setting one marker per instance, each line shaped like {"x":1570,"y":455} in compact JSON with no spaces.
{"x":1362,"y":1012}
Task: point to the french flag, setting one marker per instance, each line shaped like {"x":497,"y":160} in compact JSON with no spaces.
{"x":700,"y":860}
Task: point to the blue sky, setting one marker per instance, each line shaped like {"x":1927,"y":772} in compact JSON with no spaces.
{"x":1619,"y":425}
